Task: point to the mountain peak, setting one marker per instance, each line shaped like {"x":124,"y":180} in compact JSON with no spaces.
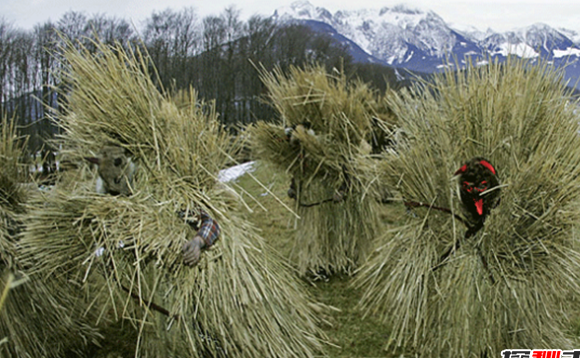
{"x":402,"y":9}
{"x":300,"y":10}
{"x":302,"y":6}
{"x":372,"y":29}
{"x":421,"y":40}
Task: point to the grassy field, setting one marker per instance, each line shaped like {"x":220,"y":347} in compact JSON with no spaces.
{"x":352,"y":334}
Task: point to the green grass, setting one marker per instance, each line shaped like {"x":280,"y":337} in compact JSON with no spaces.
{"x":353,"y":334}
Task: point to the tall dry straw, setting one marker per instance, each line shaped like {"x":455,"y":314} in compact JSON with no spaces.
{"x":241,"y":300}
{"x":12,"y":192}
{"x":332,"y":236}
{"x":38,"y":318}
{"x":513,"y":283}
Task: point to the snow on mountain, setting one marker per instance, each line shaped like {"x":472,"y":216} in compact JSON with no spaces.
{"x":545,"y":39}
{"x":571,"y":34}
{"x":471,"y":32}
{"x":567,"y":52}
{"x":505,"y":44}
{"x":390,"y":34}
{"x":423,"y":41}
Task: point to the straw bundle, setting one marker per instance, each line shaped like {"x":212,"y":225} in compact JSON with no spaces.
{"x":512,"y":284}
{"x":240,"y":300}
{"x":12,"y":194}
{"x":37,"y":317}
{"x":332,"y":121}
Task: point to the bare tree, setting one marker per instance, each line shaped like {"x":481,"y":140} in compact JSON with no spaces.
{"x":228,"y":102}
{"x":109,"y":29}
{"x":72,"y":25}
{"x":46,"y":42}
{"x":233,"y":25}
{"x":172,"y":38}
{"x":7,"y":38}
{"x":258,"y":51}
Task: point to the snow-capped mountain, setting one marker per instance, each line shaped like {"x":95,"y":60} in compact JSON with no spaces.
{"x":423,"y":41}
{"x":387,"y":34}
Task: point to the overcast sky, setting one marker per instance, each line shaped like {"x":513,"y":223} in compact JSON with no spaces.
{"x":499,"y":15}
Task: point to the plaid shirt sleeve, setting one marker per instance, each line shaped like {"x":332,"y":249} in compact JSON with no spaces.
{"x":209,"y":229}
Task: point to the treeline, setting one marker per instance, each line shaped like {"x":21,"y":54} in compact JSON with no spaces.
{"x":218,"y":55}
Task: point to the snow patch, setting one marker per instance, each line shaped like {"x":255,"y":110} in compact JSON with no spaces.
{"x":399,"y":77}
{"x":568,"y":52}
{"x":520,"y":49}
{"x":233,"y":173}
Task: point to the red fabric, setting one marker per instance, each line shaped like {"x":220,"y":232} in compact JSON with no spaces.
{"x":209,"y":230}
{"x":461,"y":170}
{"x":488,"y":166}
{"x":479,"y":206}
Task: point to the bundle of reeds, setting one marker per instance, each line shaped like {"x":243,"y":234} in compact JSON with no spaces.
{"x":241,"y":300}
{"x":326,"y":121}
{"x":12,"y":193}
{"x":38,"y":318}
{"x":512,"y":283}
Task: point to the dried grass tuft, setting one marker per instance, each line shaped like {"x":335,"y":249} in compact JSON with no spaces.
{"x":241,"y":300}
{"x":38,"y":318}
{"x":330,"y":236}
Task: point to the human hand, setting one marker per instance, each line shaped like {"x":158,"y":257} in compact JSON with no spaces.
{"x":192,"y":251}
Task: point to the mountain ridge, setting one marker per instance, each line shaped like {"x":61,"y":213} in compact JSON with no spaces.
{"x":420,"y":40}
